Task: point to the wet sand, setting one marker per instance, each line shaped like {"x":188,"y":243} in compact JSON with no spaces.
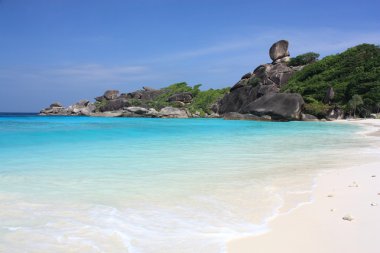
{"x":344,"y":215}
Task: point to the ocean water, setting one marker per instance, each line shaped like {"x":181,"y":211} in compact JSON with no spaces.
{"x":78,"y":184}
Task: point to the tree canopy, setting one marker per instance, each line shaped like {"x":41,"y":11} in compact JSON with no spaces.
{"x":353,"y":72}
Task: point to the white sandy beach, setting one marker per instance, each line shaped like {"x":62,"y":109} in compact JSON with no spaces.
{"x":320,"y":226}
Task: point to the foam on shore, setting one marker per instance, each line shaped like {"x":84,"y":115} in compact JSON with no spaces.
{"x":324,"y":224}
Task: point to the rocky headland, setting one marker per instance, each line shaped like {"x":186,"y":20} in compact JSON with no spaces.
{"x":263,"y":94}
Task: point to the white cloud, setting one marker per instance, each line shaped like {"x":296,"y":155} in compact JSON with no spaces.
{"x":96,"y":71}
{"x":72,"y":75}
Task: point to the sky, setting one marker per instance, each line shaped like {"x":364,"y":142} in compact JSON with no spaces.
{"x":67,"y":50}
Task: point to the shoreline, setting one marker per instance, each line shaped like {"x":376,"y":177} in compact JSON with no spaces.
{"x":324,"y":223}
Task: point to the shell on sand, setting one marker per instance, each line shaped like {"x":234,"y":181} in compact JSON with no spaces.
{"x":348,"y":217}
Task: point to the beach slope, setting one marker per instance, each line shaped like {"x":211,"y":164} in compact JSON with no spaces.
{"x":344,"y":216}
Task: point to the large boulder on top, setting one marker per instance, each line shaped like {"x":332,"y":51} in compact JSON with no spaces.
{"x":280,"y":106}
{"x":279,"y":50}
{"x":111,"y":94}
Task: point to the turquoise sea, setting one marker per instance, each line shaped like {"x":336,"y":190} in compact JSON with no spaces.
{"x":78,"y":184}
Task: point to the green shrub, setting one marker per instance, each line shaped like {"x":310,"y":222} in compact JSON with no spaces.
{"x":99,"y":104}
{"x":203,"y":101}
{"x":303,"y":59}
{"x":317,"y":109}
{"x":254,"y":81}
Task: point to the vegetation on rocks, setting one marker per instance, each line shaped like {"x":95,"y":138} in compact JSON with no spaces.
{"x":303,"y":59}
{"x":353,"y":72}
{"x":202,"y":100}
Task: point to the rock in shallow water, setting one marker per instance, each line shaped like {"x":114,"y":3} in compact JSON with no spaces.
{"x":309,"y":117}
{"x":239,"y":116}
{"x":280,"y":106}
{"x":171,"y":112}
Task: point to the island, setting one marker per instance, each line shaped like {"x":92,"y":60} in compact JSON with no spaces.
{"x":304,"y":88}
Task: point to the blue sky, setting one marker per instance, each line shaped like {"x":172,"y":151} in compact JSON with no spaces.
{"x":65,"y":50}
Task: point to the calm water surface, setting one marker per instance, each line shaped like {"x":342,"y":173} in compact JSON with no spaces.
{"x":77,"y":184}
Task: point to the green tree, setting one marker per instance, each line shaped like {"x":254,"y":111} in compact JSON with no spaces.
{"x":355,"y":102}
{"x":303,"y":59}
{"x":354,"y":71}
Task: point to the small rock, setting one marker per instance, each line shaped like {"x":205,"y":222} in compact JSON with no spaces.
{"x":330,"y":195}
{"x":348,"y":217}
{"x":373,"y":175}
{"x":373,"y":204}
{"x":332,"y":210}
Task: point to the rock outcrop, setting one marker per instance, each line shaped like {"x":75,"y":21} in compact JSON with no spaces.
{"x":184,"y":97}
{"x":54,"y":109}
{"x":171,"y":112}
{"x":257,"y":93}
{"x":280,"y":106}
{"x":335,"y":113}
{"x":240,"y":116}
{"x":308,"y":117}
{"x":107,"y":114}
{"x":114,"y":105}
{"x":56,"y":104}
{"x":81,"y":108}
{"x":145,"y":94}
{"x":111,"y":94}
{"x":236,"y":99}
{"x":256,"y":96}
